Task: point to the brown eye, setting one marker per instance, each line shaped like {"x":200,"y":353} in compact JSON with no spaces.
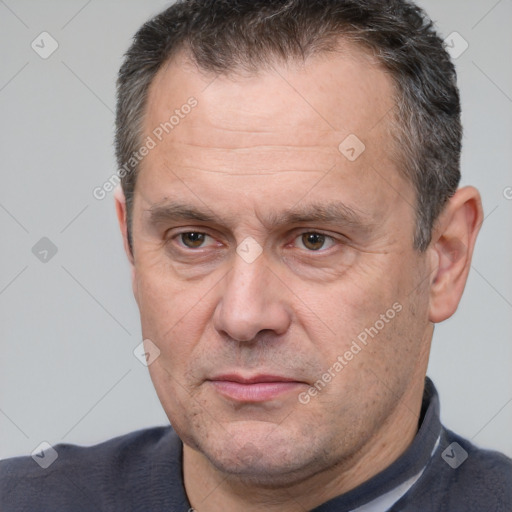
{"x":192,"y":239}
{"x":313,"y":241}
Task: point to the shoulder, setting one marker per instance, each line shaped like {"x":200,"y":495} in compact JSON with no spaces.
{"x":478,"y":472}
{"x":462,"y":476}
{"x":115,"y":451}
{"x":89,"y":477}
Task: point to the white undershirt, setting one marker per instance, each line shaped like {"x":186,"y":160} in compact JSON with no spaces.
{"x":387,"y":500}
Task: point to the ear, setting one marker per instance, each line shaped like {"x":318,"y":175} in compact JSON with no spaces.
{"x":451,"y":250}
{"x":120,"y":202}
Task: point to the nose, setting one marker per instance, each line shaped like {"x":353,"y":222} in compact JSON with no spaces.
{"x":251,"y":301}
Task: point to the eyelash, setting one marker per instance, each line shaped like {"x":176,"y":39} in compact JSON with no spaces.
{"x":325,"y":235}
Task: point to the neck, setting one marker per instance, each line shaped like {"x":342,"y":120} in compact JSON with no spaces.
{"x":213,"y":491}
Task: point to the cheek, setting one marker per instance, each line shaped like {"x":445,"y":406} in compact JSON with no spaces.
{"x":368,"y":318}
{"x":173,"y":313}
{"x":173,"y":316}
{"x":352,"y":304}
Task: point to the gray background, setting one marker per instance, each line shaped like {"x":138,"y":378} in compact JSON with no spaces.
{"x":69,"y":325}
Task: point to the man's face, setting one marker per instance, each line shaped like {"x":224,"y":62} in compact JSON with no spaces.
{"x":295,"y":250}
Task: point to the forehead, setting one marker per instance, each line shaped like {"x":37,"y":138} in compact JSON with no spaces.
{"x":329,"y":92}
{"x":279,"y":128}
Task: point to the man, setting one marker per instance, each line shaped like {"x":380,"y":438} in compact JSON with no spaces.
{"x":290,"y":211}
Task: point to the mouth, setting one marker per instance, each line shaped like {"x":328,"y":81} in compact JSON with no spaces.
{"x":259,"y":388}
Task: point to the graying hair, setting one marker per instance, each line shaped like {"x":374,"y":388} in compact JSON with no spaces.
{"x":221,"y":36}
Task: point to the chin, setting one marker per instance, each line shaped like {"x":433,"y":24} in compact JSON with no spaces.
{"x":262,"y":453}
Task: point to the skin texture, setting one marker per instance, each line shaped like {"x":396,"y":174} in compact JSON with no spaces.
{"x":257,"y":146}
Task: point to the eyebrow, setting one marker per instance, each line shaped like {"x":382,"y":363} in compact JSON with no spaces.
{"x":335,"y":212}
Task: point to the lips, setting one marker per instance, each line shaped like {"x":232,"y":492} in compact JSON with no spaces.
{"x":258,"y":388}
{"x":233,"y":377}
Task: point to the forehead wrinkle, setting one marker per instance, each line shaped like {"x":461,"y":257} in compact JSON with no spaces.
{"x":170,"y":165}
{"x":322,"y":163}
{"x":259,"y":172}
{"x":332,"y":148}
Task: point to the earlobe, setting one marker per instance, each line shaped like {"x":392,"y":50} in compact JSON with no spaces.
{"x":452,"y":247}
{"x":120,"y":203}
